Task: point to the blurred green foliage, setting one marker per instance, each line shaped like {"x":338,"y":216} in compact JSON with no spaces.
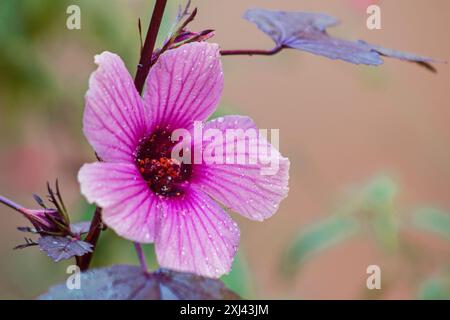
{"x":433,"y":220}
{"x":436,"y":288}
{"x":23,"y":25}
{"x":318,"y":237}
{"x":371,"y":210}
{"x":35,"y":40}
{"x":379,"y":202}
{"x":437,"y":222}
{"x":238,"y":280}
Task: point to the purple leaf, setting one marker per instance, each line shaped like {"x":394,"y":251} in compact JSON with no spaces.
{"x":131,"y":283}
{"x":80,"y":228}
{"x":63,"y":248}
{"x":27,"y":229}
{"x":308,"y":32}
{"x":39,"y":201}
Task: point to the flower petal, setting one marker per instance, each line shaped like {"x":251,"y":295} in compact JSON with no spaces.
{"x":129,"y":206}
{"x":185,"y":85}
{"x":245,"y":188}
{"x":194,"y":234}
{"x":114,"y":117}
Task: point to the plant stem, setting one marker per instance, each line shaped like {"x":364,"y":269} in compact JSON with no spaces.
{"x":11,"y":204}
{"x":92,"y":237}
{"x":251,"y":52}
{"x":149,"y":45}
{"x":141,"y":256}
{"x":145,"y":63}
{"x":141,"y":75}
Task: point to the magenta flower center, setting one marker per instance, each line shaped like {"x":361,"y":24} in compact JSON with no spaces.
{"x":164,"y":175}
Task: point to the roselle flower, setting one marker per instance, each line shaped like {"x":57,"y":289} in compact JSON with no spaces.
{"x":148,"y":196}
{"x":57,"y":237}
{"x":43,"y":219}
{"x":181,"y":35}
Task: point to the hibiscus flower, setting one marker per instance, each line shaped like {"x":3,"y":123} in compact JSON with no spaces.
{"x":147,"y":196}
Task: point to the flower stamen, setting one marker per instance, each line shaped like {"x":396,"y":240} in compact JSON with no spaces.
{"x":164,"y":175}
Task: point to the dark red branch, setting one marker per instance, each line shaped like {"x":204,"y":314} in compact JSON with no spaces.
{"x":251,"y":52}
{"x":149,"y":45}
{"x":92,"y":237}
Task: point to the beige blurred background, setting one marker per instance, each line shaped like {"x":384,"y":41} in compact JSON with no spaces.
{"x":340,"y":125}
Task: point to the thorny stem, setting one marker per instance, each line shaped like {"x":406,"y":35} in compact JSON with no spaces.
{"x":251,"y":52}
{"x":139,"y":81}
{"x":141,"y":256}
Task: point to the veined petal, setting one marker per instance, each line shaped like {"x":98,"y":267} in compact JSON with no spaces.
{"x":114,"y":117}
{"x":253,"y":188}
{"x":194,"y":234}
{"x":185,"y":85}
{"x":129,"y":206}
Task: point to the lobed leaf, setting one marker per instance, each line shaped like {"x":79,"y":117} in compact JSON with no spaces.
{"x":123,"y":282}
{"x":308,"y":32}
{"x":80,"y":228}
{"x":63,"y":248}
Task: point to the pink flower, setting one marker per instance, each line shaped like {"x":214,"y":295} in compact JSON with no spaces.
{"x":146,"y":195}
{"x":43,"y":219}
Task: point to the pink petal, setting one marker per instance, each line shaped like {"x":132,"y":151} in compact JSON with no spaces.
{"x":129,"y":206}
{"x":114,"y":117}
{"x":242,"y":187}
{"x":196,"y":235}
{"x":184,"y":85}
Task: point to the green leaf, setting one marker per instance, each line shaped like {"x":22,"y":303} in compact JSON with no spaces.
{"x":433,"y":220}
{"x":238,"y":280}
{"x":379,"y":201}
{"x":318,"y":237}
{"x":436,"y":288}
{"x":381,"y":191}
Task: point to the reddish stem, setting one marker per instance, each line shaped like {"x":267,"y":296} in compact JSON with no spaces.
{"x":251,"y":52}
{"x":92,"y":237}
{"x":149,"y":45}
{"x":141,"y":256}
